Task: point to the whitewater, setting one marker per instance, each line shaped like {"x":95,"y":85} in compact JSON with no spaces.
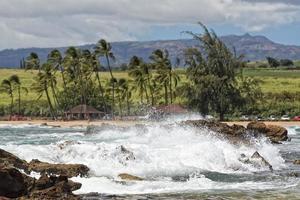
{"x":175,"y":161}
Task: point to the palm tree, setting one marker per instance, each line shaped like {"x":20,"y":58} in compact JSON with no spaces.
{"x":55,"y":59}
{"x":96,"y":68}
{"x":124,"y":93}
{"x":103,"y":48}
{"x":43,"y":82}
{"x":7,"y":87}
{"x":161,"y":62}
{"x":15,"y":81}
{"x":173,"y":81}
{"x":32,"y":61}
{"x":71,"y":63}
{"x":140,"y":73}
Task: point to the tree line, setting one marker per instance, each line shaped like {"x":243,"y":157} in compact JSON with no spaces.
{"x":214,"y":73}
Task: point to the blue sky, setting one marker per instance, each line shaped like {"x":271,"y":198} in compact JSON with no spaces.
{"x":53,"y":23}
{"x":285,"y":34}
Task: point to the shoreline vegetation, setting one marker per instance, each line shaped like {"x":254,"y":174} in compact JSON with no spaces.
{"x":215,"y":82}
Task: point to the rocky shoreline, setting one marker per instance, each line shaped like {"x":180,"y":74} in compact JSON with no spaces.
{"x":239,"y":133}
{"x":54,"y":182}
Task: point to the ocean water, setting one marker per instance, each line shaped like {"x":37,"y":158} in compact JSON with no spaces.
{"x":175,"y":162}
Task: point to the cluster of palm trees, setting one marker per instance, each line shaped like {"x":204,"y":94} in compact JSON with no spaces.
{"x":11,"y":86}
{"x":78,"y":70}
{"x":74,"y":78}
{"x":152,"y":78}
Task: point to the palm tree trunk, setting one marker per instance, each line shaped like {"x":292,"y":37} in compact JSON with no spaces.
{"x":171,"y":95}
{"x":11,"y":105}
{"x":146,"y":92}
{"x":63,"y":77}
{"x":101,"y":90}
{"x":166,"y":93}
{"x":49,"y":103}
{"x":19,"y":101}
{"x":113,"y":86}
{"x":151,"y":91}
{"x":120,"y":106}
{"x":127,"y":102}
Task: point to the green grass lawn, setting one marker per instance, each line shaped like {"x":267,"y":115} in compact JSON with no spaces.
{"x":272,"y":80}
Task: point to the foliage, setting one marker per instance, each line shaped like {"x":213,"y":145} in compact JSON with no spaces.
{"x":286,"y":62}
{"x":273,"y":62}
{"x":213,"y":75}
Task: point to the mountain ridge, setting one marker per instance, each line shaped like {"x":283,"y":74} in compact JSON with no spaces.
{"x":253,"y":47}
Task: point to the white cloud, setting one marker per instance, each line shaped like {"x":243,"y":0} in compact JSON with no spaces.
{"x":25,"y":23}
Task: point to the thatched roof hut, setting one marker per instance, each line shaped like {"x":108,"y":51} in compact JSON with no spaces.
{"x":84,"y":112}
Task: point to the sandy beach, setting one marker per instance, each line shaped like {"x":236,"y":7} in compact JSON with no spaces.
{"x":85,"y":123}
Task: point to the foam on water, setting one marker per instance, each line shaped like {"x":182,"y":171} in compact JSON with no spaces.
{"x":293,"y":130}
{"x":156,"y":153}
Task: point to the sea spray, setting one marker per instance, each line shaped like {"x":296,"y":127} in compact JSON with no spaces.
{"x":160,"y":152}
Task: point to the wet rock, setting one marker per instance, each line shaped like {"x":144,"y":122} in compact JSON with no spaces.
{"x":244,"y":159}
{"x":54,"y":187}
{"x":293,"y":174}
{"x":8,"y":159}
{"x":296,"y":162}
{"x":128,"y":154}
{"x":277,"y":133}
{"x":238,"y":133}
{"x":69,"y":170}
{"x":67,"y":143}
{"x":273,"y":132}
{"x":129,"y":177}
{"x":13,"y":183}
{"x":56,"y":126}
{"x":256,"y":158}
{"x":44,"y":124}
{"x":234,"y":133}
{"x":257,"y":126}
{"x":235,"y":130}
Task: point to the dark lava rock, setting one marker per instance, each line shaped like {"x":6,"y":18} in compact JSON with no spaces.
{"x":69,"y":170}
{"x":54,"y":187}
{"x":13,"y":183}
{"x":273,"y":132}
{"x":237,"y":133}
{"x":8,"y":159}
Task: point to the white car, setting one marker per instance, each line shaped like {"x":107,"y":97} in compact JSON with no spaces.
{"x":245,"y":118}
{"x":272,"y":118}
{"x":285,"y":118}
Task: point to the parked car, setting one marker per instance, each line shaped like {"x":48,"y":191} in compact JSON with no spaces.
{"x":296,"y":118}
{"x":259,"y":118}
{"x":245,"y":118}
{"x":285,"y":118}
{"x":272,"y":118}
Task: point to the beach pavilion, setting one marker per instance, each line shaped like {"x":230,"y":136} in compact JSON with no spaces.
{"x":84,"y":112}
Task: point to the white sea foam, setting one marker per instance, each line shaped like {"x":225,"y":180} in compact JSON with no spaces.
{"x":159,"y":153}
{"x":293,"y":130}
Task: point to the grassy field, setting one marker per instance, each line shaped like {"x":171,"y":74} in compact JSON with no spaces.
{"x":276,"y":80}
{"x":272,"y":80}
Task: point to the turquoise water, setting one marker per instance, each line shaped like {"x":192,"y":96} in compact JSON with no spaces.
{"x":176,"y":162}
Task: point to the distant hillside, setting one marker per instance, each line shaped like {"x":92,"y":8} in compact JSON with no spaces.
{"x":253,"y":47}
